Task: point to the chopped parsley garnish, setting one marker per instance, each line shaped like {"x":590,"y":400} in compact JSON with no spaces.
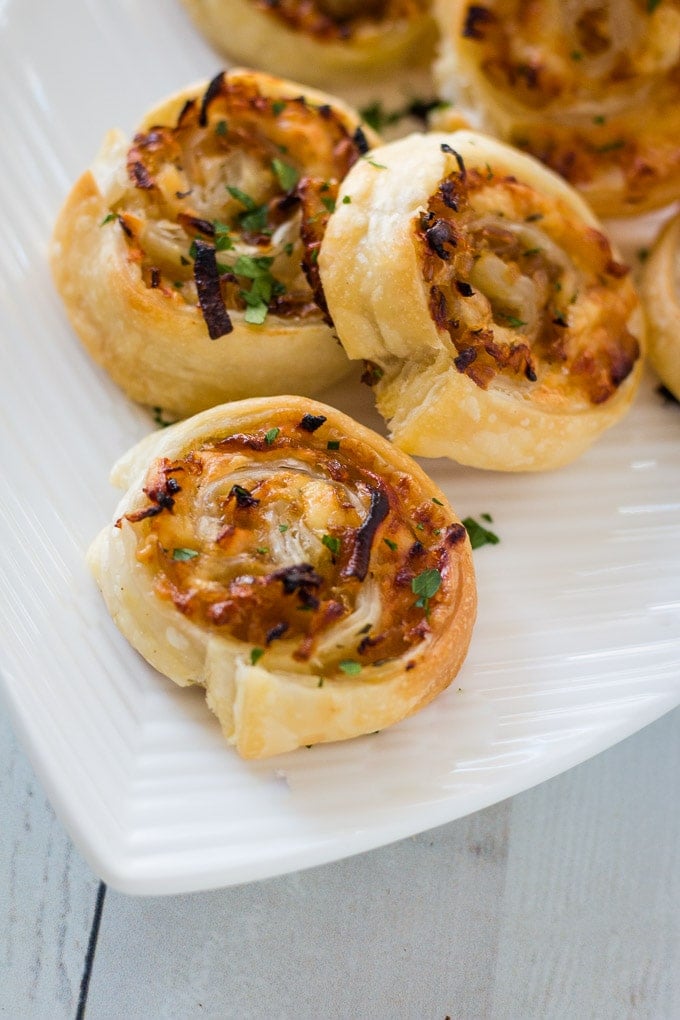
{"x":332,"y":543}
{"x":262,"y":550}
{"x":390,"y":544}
{"x":576,"y":55}
{"x":329,"y":204}
{"x":513,"y":322}
{"x":350,"y":666}
{"x":223,"y":241}
{"x":288,"y":248}
{"x":437,"y":501}
{"x":378,"y":166}
{"x":221,"y":128}
{"x":255,"y":655}
{"x":478,"y":534}
{"x":286,"y":175}
{"x":270,"y":435}
{"x":278,"y":107}
{"x":108,"y":218}
{"x":346,"y":200}
{"x":320,"y":683}
{"x":599,"y":119}
{"x":531,"y":251}
{"x":159,"y":419}
{"x":333,"y":444}
{"x":283,"y":528}
{"x":184,"y":554}
{"x":426,"y":585}
{"x":263,"y":286}
{"x":652,"y":5}
{"x":254,"y":219}
{"x":617,"y":143}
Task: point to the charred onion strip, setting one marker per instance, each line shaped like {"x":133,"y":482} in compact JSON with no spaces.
{"x":211,"y":300}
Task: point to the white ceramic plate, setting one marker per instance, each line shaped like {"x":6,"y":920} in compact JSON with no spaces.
{"x":578,"y":639}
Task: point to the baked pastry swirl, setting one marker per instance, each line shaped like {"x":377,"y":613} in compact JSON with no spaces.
{"x":187,"y":258}
{"x":591,"y":89}
{"x":498,"y":326}
{"x":660,"y":289}
{"x":323,"y":42}
{"x":296,"y":564}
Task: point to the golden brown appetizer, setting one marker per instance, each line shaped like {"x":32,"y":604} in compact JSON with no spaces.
{"x":296,"y":564}
{"x":591,"y":89}
{"x":497,"y":324}
{"x":187,"y":258}
{"x":323,"y":42}
{"x":661,"y":299}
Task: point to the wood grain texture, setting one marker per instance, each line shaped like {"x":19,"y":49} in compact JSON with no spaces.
{"x":47,"y":896}
{"x":561,"y":903}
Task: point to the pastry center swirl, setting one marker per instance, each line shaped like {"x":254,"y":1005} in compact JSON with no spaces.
{"x":285,"y":539}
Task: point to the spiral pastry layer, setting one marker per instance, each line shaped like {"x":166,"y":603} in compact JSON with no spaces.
{"x":498,"y":327}
{"x":323,"y":42}
{"x":187,"y":258}
{"x":660,"y":291}
{"x":296,"y":564}
{"x":592,"y":90}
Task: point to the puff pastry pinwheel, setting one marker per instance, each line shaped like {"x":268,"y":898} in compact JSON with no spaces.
{"x":187,"y":258}
{"x":323,"y":42}
{"x":660,"y":289}
{"x":591,"y":89}
{"x":498,"y":326}
{"x":296,"y":564}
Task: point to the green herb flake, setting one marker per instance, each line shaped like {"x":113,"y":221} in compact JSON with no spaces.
{"x":420,"y":527}
{"x":372,"y":162}
{"x":390,"y":544}
{"x":643,"y":254}
{"x":329,"y":204}
{"x":478,"y":534}
{"x":513,"y":322}
{"x":270,"y":435}
{"x":346,"y":199}
{"x":333,"y":444}
{"x":286,"y":175}
{"x":652,"y":5}
{"x":332,"y":543}
{"x":617,"y":143}
{"x":108,"y":218}
{"x":255,"y":315}
{"x":184,"y":261}
{"x":487,"y":517}
{"x":255,"y":655}
{"x":221,"y":128}
{"x":184,"y":554}
{"x":192,"y":250}
{"x":320,"y":683}
{"x":427,"y":584}
{"x":350,"y":666}
{"x":531,"y":251}
{"x":223,"y":241}
{"x":246,"y":201}
{"x":262,"y":550}
{"x":288,"y":248}
{"x":438,"y":502}
{"x":314,"y":257}
{"x":278,"y":106}
{"x":599,"y":119}
{"x":283,"y":528}
{"x":576,"y":55}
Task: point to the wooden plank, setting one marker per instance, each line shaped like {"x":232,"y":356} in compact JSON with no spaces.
{"x":591,"y":919}
{"x":47,"y":897}
{"x":407,"y":930}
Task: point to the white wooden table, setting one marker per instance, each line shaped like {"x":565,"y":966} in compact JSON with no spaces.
{"x":562,"y":902}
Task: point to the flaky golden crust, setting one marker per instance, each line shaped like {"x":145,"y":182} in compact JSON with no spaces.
{"x":324,"y":42}
{"x":178,"y":254}
{"x":293,"y":562}
{"x":660,"y":290}
{"x":498,"y":327}
{"x":591,"y":90}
